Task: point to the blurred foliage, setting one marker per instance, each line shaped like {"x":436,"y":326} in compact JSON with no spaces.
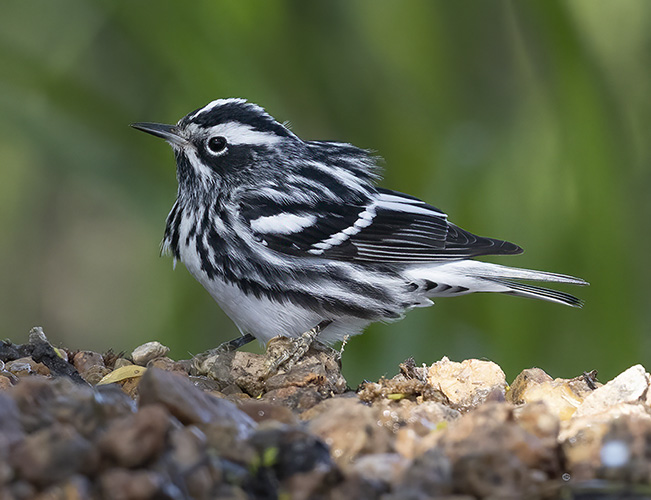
{"x":528,"y":121}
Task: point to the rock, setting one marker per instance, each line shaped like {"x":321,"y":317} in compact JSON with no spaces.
{"x":222,"y":368}
{"x":296,"y":398}
{"x":445,"y":431}
{"x":318,"y":368}
{"x":222,"y":441}
{"x":582,"y":438}
{"x":469,"y":383}
{"x":410,"y":384}
{"x":138,"y":438}
{"x":167,"y":364}
{"x":189,"y":404}
{"x":328,"y":405}
{"x":422,"y":417}
{"x":7,"y":443}
{"x":628,"y":387}
{"x":188,"y":453}
{"x":539,"y":420}
{"x":95,"y":374}
{"x":52,"y":454}
{"x":296,"y":459}
{"x":261,"y":411}
{"x":495,"y":455}
{"x":83,"y":360}
{"x":350,"y":428}
{"x":76,"y":487}
{"x":24,"y":367}
{"x":561,"y":396}
{"x":90,"y":366}
{"x":123,"y":484}
{"x":399,"y":388}
{"x":429,"y":476}
{"x":5,"y":382}
{"x":121,"y":362}
{"x":87,"y":409}
{"x":314,"y":377}
{"x":19,"y":489}
{"x":524,"y":380}
{"x":144,"y":353}
{"x":109,"y":402}
{"x":387,"y":468}
{"x":417,"y":426}
{"x":43,"y":402}
{"x":11,"y":428}
{"x":355,"y":486}
{"x":35,"y":398}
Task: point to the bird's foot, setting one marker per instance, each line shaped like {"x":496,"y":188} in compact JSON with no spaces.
{"x":199,"y":360}
{"x":290,"y":352}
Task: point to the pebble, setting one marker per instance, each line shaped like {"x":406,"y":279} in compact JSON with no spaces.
{"x":448,"y":430}
{"x":189,"y":404}
{"x":23,"y":367}
{"x":144,"y":353}
{"x":469,"y":383}
{"x":628,"y":387}
{"x":135,"y":439}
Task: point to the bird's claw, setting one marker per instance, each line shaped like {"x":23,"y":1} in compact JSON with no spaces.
{"x":291,"y":351}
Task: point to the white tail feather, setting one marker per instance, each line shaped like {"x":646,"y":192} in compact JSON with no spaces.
{"x":468,"y":276}
{"x":488,"y":270}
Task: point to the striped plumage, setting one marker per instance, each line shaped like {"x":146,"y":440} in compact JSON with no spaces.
{"x":285,"y":233}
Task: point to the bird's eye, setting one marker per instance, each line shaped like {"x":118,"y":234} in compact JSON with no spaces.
{"x":217,"y":144}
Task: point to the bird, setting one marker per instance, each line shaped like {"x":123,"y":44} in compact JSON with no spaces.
{"x":291,"y":236}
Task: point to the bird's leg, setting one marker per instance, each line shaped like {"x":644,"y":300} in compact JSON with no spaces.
{"x":297,"y":348}
{"x":229,"y":346}
{"x":234,"y":344}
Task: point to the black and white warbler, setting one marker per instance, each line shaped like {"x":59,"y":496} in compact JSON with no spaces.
{"x":288,"y":234}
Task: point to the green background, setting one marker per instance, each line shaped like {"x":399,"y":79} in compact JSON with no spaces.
{"x":528,"y":121}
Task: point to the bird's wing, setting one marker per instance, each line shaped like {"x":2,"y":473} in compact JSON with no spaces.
{"x":389,"y":227}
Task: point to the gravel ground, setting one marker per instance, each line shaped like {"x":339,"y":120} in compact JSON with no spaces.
{"x":79,"y":424}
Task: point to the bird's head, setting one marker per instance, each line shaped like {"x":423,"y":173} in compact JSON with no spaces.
{"x":227,"y":143}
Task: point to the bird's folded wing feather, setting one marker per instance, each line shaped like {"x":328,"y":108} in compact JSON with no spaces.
{"x":389,"y":227}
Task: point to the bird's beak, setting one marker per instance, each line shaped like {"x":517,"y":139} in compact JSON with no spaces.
{"x":168,"y":132}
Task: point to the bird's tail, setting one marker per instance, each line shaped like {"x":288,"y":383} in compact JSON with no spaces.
{"x":539,"y":292}
{"x":477,"y":276}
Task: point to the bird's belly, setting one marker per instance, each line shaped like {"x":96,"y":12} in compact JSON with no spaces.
{"x":262,"y":317}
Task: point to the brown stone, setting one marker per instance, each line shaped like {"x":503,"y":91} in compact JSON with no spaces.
{"x":167,"y":364}
{"x":24,"y":367}
{"x":5,"y":382}
{"x":350,"y":429}
{"x":261,"y":411}
{"x":136,"y":439}
{"x":84,"y":360}
{"x":469,"y":383}
{"x":123,"y":484}
{"x":52,"y":454}
{"x":189,"y":404}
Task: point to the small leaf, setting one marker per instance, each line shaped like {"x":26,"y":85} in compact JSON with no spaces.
{"x":123,"y":373}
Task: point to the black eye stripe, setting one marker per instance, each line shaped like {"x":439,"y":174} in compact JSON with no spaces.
{"x":216,"y":144}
